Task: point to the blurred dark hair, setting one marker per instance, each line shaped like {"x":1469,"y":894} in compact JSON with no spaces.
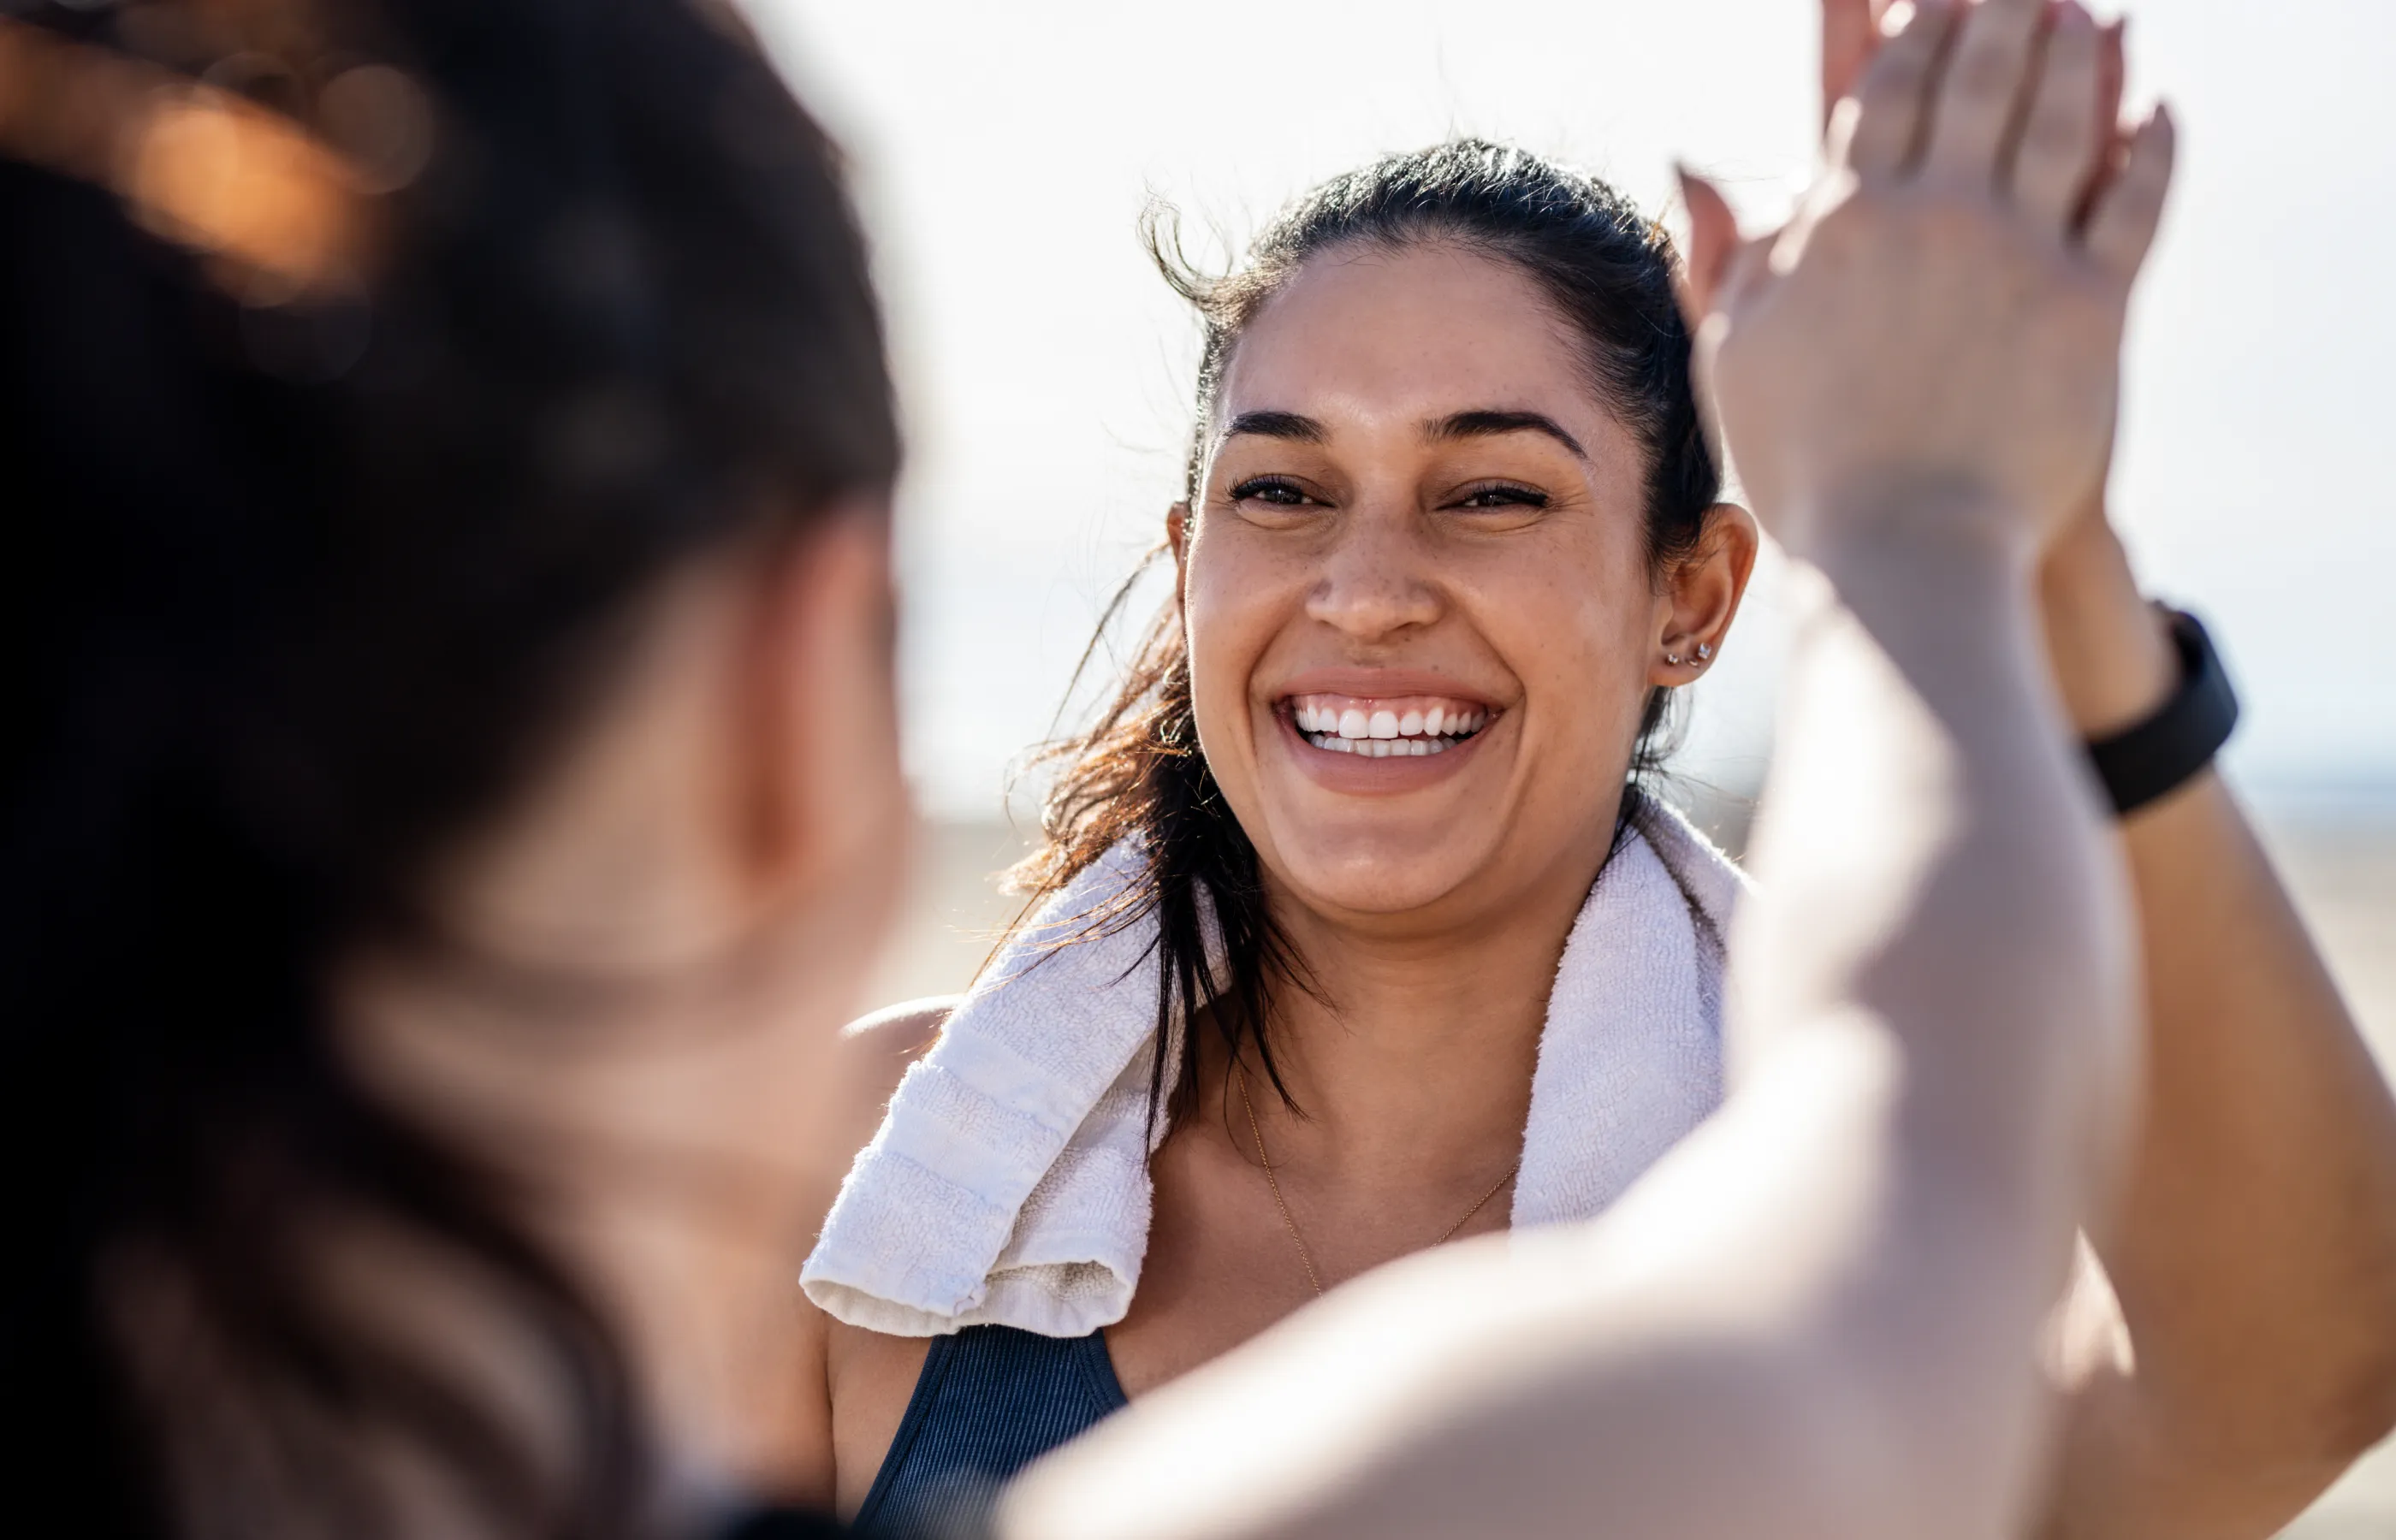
{"x":1139,"y":772}
{"x":309,"y":563}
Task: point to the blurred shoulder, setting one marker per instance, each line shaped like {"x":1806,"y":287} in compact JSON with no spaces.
{"x":877,"y":1048}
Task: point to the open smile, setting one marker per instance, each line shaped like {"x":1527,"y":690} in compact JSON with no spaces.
{"x":1396,"y":727}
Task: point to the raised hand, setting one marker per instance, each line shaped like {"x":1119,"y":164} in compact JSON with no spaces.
{"x":1851,"y":34}
{"x":1944,"y":315}
{"x":1853,"y":30}
{"x":2111,"y":659}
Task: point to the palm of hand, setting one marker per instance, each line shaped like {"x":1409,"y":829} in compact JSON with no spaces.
{"x":1909,"y":338}
{"x":1946,"y":313}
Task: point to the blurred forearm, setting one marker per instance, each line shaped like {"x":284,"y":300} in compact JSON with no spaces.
{"x":1814,"y":1319}
{"x":1931,"y":857}
{"x":2253,"y":1252}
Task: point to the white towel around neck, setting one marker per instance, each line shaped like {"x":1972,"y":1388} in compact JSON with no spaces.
{"x":1010,"y":1182}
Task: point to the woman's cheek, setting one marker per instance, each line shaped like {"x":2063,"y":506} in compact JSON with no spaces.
{"x":1227,"y":631}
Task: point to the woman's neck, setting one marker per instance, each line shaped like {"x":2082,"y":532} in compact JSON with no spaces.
{"x":649,"y":1184}
{"x":1411,"y":1057}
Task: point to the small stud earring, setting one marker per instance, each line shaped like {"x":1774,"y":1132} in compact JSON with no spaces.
{"x":1704,"y":651}
{"x":1673,"y":659}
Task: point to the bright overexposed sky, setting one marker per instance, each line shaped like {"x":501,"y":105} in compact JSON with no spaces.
{"x":1003,"y":152}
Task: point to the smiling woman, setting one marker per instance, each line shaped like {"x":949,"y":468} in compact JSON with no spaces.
{"x":1429,"y":500}
{"x":1445,"y":450}
{"x":1450,"y":539}
{"x":1353,"y":917}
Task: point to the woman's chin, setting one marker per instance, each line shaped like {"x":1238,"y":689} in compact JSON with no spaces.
{"x":1381,"y":874}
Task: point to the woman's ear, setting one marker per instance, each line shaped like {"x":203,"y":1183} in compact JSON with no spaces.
{"x":743,"y":763}
{"x":1176,"y":534}
{"x":814,"y":722}
{"x":1702,"y":594}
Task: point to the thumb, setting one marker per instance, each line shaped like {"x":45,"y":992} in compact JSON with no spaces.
{"x":1850,"y":34}
{"x":1713,"y":243}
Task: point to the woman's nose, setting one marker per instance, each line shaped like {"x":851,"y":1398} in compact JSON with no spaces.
{"x":1378,"y":580}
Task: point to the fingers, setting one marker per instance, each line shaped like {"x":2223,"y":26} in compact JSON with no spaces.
{"x":2112,"y":75}
{"x":1713,"y":242}
{"x":2112,"y":80}
{"x":1890,"y":98}
{"x":1850,"y":34}
{"x":1980,"y":94}
{"x":2122,"y":226}
{"x":2058,"y":156}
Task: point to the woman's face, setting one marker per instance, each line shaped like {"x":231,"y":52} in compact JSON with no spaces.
{"x":1420,"y":618}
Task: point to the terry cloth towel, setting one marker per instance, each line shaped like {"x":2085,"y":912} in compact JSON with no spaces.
{"x":1008,"y":1183}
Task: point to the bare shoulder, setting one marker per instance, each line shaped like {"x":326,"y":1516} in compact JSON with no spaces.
{"x":865,"y":1379}
{"x":879,"y":1046}
{"x":870,"y":1378}
{"x":872,"y":1057}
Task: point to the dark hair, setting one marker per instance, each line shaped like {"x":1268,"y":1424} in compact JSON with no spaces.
{"x":1139,"y":772}
{"x":323,"y":519}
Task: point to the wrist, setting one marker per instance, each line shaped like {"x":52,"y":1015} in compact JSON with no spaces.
{"x":1881,"y":533}
{"x":1917,"y":591}
{"x":2111,"y":652}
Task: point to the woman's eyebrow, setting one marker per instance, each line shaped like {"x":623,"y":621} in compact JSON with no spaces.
{"x":1481,"y":423}
{"x":1279,"y":425}
{"x":1488,"y":424}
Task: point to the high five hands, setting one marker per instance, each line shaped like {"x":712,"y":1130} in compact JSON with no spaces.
{"x":1943,"y":316}
{"x":1854,"y":30}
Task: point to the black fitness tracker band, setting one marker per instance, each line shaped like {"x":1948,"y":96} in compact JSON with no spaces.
{"x":2143,"y":763}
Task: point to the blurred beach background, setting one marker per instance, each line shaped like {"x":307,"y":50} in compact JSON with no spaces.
{"x":1005,"y":154}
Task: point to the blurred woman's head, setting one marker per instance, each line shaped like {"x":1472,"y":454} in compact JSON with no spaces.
{"x":446,"y":448}
{"x":1450,"y":539}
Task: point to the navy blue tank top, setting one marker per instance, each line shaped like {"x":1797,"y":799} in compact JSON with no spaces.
{"x":990,"y":1401}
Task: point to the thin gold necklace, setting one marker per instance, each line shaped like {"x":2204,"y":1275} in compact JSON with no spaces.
{"x":1306,"y":1256}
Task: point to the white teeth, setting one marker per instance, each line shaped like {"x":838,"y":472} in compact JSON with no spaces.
{"x":1436,"y":726}
{"x":1379,"y":747}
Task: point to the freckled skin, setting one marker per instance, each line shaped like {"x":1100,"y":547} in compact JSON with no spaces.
{"x":1509,"y":564}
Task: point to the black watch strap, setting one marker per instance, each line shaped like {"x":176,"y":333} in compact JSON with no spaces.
{"x":2143,"y":763}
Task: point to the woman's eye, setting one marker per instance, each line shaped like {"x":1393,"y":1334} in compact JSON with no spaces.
{"x":1483,"y":497}
{"x":1274,"y":490}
